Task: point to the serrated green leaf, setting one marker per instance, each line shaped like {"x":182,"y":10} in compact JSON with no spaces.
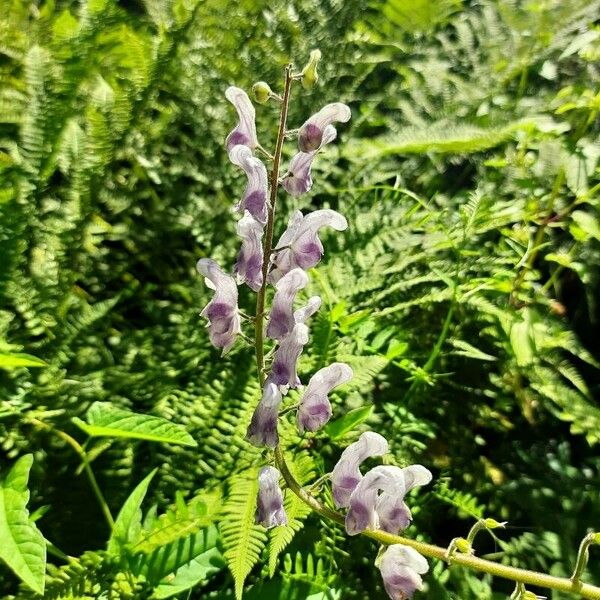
{"x":128,"y":524}
{"x":14,"y":360}
{"x":22,"y":546}
{"x":340,"y":427}
{"x":242,"y":539}
{"x":105,"y":420}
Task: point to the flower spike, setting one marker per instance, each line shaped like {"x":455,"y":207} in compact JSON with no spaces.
{"x":262,"y":430}
{"x":310,"y":136}
{"x":299,"y":180}
{"x":222,"y":311}
{"x":315,"y":409}
{"x":299,"y":245}
{"x":401,"y":569}
{"x":248,"y":267}
{"x":346,"y":474}
{"x":245,"y":131}
{"x":254,"y":199}
{"x":281,"y":319}
{"x":269,"y":504}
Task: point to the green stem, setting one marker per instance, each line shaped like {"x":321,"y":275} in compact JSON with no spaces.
{"x":268,"y":243}
{"x":524,"y":576}
{"x":582,"y":557}
{"x":86,"y":467}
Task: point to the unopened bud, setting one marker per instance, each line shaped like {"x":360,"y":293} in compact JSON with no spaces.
{"x":529,"y":596}
{"x":309,"y":73}
{"x":463,"y":546}
{"x":493,"y":524}
{"x":596,"y":538}
{"x":262,"y":92}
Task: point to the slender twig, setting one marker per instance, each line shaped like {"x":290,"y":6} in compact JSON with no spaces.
{"x":71,"y":441}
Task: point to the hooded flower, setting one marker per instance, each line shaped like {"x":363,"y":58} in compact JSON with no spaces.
{"x":222,"y":311}
{"x":401,"y":568}
{"x":248,"y":266}
{"x":245,"y":131}
{"x":299,"y":245}
{"x":254,"y":199}
{"x":315,"y":409}
{"x":346,"y":474}
{"x":298,"y":180}
{"x":308,"y":310}
{"x":365,"y":501}
{"x":281,"y":319}
{"x":284,"y":369}
{"x":262,"y":430}
{"x":269,"y":504}
{"x":310,"y":136}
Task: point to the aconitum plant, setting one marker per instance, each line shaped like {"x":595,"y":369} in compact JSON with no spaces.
{"x":373,"y":500}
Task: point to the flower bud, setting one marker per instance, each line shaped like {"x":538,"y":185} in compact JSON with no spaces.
{"x":493,"y":524}
{"x":309,"y":73}
{"x":596,"y":538}
{"x":262,"y":92}
{"x":463,"y":546}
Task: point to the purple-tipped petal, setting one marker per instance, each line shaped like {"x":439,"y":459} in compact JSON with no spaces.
{"x":368,"y":509}
{"x":254,"y":199}
{"x":305,"y":312}
{"x":315,"y":409}
{"x":269,"y":504}
{"x":248,"y":266}
{"x":281,"y":319}
{"x":222,"y":311}
{"x":310,"y":136}
{"x":401,"y":569}
{"x":346,"y":474}
{"x":244,"y":132}
{"x":262,"y":430}
{"x":300,"y":246}
{"x":285,"y":361}
{"x":299,"y":179}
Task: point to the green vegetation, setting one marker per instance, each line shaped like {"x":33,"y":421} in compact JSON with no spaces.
{"x":464,"y":294}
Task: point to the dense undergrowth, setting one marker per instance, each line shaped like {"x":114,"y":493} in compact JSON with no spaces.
{"x":463,"y":295}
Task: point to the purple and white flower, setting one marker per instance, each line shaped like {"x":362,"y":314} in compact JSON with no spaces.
{"x":254,"y":199}
{"x":262,"y":430}
{"x":222,"y":311}
{"x":281,"y":320}
{"x":248,"y":267}
{"x":366,"y":502}
{"x":269,"y":504}
{"x":346,"y":474}
{"x":299,"y":245}
{"x":284,"y":369}
{"x":308,"y":310}
{"x":298,"y":179}
{"x":244,"y":132}
{"x":310,"y":136}
{"x":315,"y":408}
{"x":401,"y":569}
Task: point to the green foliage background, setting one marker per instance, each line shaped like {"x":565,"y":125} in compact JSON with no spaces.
{"x":463,"y":294}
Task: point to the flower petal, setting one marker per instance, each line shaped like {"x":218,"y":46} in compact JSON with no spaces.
{"x":346,"y":474}
{"x":269,"y":504}
{"x":222,"y":311}
{"x":248,"y":266}
{"x":299,"y":180}
{"x":300,"y":246}
{"x":245,"y":131}
{"x":284,"y":369}
{"x":262,"y":430}
{"x":254,"y":199}
{"x":315,"y":409}
{"x":401,"y":569}
{"x":310,"y":136}
{"x":304,"y":313}
{"x":281,"y":319}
